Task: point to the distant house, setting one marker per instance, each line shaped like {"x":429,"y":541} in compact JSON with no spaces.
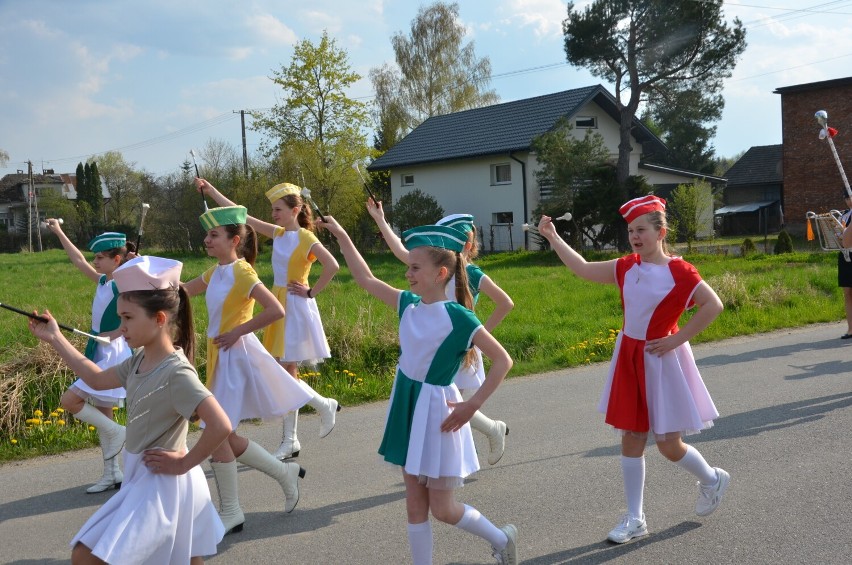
{"x":15,"y":196}
{"x":753,"y":195}
{"x":812,"y":180}
{"x":479,"y":161}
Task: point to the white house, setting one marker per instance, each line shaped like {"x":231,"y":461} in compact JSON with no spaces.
{"x":14,"y":196}
{"x":479,"y":161}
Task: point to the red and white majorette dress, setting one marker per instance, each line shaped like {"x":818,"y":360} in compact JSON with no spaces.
{"x":645,"y":392}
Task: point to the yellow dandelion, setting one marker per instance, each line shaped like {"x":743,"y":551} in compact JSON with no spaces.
{"x":54,"y":414}
{"x":60,"y":410}
{"x":360,"y":380}
{"x":115,"y":408}
{"x":38,"y":413}
{"x":336,"y":371}
{"x":47,"y":422}
{"x":13,"y":441}
{"x":92,"y":428}
{"x":327,"y":386}
{"x":588,"y":360}
{"x":60,"y":422}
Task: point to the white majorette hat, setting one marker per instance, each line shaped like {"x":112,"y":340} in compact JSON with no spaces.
{"x":632,"y":209}
{"x":148,"y":273}
{"x":462,"y":222}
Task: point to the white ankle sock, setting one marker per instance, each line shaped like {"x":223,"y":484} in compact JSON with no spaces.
{"x":633,"y":473}
{"x":477,"y":524}
{"x":420,"y":543}
{"x":694,"y":462}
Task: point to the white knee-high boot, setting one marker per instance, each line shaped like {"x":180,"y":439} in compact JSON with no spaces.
{"x":111,"y":434}
{"x":227,"y":485}
{"x":327,"y":408}
{"x":287,"y":474}
{"x":112,"y":476}
{"x":496,"y":432}
{"x":290,"y":445}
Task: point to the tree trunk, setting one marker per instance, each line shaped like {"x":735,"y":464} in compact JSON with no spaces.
{"x":622,"y":169}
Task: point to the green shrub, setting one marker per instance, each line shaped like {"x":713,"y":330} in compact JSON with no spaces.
{"x":784,"y":244}
{"x":747,"y":248}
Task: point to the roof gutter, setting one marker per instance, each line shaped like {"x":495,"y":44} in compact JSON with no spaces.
{"x":524,"y":185}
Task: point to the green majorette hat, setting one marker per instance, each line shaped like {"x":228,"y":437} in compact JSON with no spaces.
{"x":225,"y":216}
{"x":279,"y":191}
{"x":107,"y":240}
{"x":462,"y":222}
{"x":434,"y":236}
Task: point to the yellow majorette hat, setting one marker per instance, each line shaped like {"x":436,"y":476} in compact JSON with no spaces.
{"x":279,"y":191}
{"x":148,"y":273}
{"x":224,"y":216}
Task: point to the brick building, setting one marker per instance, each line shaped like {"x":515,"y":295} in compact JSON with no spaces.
{"x":812,"y":180}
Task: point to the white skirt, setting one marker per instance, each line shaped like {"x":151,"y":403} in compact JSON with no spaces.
{"x":106,"y":356}
{"x":304,"y":336}
{"x":442,"y":460}
{"x":154,"y":519}
{"x":472,"y":377}
{"x":250,"y":383}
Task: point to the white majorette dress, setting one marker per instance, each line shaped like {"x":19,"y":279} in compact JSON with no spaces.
{"x":157,"y":518}
{"x":663,"y":394}
{"x":299,"y":337}
{"x":105,"y":319}
{"x":433,"y":340}
{"x":245,"y":379}
{"x":469,"y":377}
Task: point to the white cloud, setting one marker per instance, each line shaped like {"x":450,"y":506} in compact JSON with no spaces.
{"x":543,"y":16}
{"x":320,"y":21}
{"x":271,"y":29}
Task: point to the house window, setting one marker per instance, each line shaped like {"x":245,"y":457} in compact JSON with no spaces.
{"x":407,"y":180}
{"x":586,"y":122}
{"x":503,"y":218}
{"x":501,"y":174}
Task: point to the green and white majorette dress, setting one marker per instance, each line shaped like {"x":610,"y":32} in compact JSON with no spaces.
{"x":433,"y":339}
{"x":105,"y":319}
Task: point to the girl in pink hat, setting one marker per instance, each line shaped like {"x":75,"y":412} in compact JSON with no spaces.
{"x":163,"y":512}
{"x":654,"y":386}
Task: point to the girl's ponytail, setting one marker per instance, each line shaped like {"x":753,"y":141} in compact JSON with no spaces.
{"x":249,"y":245}
{"x":465,"y":298}
{"x":184,"y":326}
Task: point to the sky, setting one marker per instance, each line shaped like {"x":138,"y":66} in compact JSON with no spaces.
{"x":154,"y":79}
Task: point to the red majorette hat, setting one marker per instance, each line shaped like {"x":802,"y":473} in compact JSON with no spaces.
{"x":640,"y":206}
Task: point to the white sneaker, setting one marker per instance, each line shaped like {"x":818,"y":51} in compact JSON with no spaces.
{"x":627,"y":529}
{"x":709,"y":496}
{"x":509,"y":554}
{"x":497,"y":442}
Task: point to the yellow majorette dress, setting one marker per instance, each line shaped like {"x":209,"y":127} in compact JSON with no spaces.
{"x":299,"y":337}
{"x":245,"y":379}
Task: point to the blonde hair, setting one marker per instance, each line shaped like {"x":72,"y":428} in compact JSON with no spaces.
{"x":658,"y":220}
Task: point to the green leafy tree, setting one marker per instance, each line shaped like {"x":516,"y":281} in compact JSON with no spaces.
{"x":688,"y":210}
{"x":94,"y":194}
{"x":681,"y":119}
{"x":784,"y":243}
{"x":648,"y":48}
{"x":317,"y":131}
{"x":4,"y":158}
{"x":415,"y":208}
{"x":123,"y":183}
{"x":437,"y":74}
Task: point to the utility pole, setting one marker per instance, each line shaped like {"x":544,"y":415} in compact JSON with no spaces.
{"x":30,"y":206}
{"x":245,"y":152}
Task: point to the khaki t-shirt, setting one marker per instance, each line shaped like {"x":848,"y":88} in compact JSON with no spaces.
{"x":160,"y":402}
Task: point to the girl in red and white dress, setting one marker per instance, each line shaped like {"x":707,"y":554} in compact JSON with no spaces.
{"x":654,"y":385}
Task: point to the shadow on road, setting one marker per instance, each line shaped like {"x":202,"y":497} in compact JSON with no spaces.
{"x":262,"y":525}
{"x":753,"y":422}
{"x":54,"y":501}
{"x":768,"y":352}
{"x":604,"y":551}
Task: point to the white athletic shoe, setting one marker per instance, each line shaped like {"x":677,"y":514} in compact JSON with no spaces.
{"x":509,"y":554}
{"x":709,"y":496}
{"x":627,"y":529}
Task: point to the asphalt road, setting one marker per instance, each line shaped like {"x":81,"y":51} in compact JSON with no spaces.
{"x":785,"y":400}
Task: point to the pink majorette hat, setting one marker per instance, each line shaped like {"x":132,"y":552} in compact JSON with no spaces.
{"x":640,"y":206}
